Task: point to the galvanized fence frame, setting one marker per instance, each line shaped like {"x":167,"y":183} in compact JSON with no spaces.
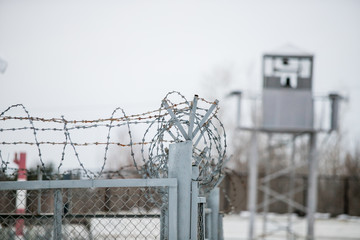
{"x":57,"y":185}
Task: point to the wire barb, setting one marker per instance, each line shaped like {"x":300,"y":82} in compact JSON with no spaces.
{"x":173,"y":122}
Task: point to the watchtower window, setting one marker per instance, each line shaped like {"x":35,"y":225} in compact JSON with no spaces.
{"x":287,"y":71}
{"x":285,"y":61}
{"x":305,"y":68}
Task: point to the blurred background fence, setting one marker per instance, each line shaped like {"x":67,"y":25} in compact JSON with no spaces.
{"x":336,"y":194}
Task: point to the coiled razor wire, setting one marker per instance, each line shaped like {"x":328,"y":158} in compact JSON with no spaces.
{"x":209,"y":146}
{"x":177,"y":120}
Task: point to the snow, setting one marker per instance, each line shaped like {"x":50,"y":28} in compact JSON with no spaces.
{"x":343,"y":227}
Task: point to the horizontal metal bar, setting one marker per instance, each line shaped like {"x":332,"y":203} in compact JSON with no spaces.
{"x":91,"y":183}
{"x":296,"y":131}
{"x":75,"y":216}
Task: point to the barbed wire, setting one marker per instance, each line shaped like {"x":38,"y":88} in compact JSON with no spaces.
{"x":79,"y":144}
{"x":135,"y":117}
{"x":209,"y":149}
{"x":162,"y":129}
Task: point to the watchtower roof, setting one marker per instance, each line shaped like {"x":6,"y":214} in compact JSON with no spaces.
{"x":288,"y":51}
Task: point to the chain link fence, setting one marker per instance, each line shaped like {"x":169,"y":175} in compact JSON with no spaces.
{"x":106,"y":212}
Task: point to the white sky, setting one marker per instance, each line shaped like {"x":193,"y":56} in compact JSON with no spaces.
{"x":84,"y":58}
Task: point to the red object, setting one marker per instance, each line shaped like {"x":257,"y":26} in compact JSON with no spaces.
{"x":22,"y":166}
{"x":20,"y":223}
{"x":20,"y":194}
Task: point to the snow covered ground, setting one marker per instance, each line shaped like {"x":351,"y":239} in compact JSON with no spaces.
{"x":235,"y":228}
{"x":341,"y":228}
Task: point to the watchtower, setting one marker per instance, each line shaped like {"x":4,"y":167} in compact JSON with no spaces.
{"x":287,"y":91}
{"x":287,"y":111}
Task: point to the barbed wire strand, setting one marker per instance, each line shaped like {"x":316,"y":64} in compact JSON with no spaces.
{"x":209,"y":149}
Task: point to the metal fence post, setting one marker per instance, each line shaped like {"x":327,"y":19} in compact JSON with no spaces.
{"x":180,"y":157}
{"x":346,"y":196}
{"x":213,"y":204}
{"x":197,"y":221}
{"x":164,"y":219}
{"x":194,"y":202}
{"x":208,"y":223}
{"x":172,"y":213}
{"x":58,"y":210}
{"x":39,"y":178}
{"x":312,"y":189}
{"x":221,"y":226}
{"x":252,"y":184}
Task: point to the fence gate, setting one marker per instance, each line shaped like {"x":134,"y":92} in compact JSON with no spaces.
{"x":90,"y":209}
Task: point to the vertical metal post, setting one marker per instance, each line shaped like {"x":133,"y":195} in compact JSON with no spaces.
{"x":252,"y":185}
{"x":58,"y":210}
{"x":194,"y":202}
{"x":291,"y":188}
{"x":267,"y":187}
{"x":334,"y":118}
{"x":238,"y":112}
{"x":208,"y":226}
{"x":221,"y":226}
{"x":213,"y":204}
{"x":164,"y":219}
{"x":172,"y":214}
{"x":180,"y":157}
{"x":312,"y":188}
{"x":346,"y":195}
{"x":39,"y":178}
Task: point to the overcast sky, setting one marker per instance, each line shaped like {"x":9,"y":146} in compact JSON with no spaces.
{"x":78,"y":57}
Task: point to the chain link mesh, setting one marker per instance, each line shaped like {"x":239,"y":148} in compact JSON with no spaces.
{"x":85,"y":213}
{"x":201,"y":222}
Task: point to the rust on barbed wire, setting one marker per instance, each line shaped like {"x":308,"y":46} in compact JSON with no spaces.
{"x":59,"y":120}
{"x":78,"y":144}
{"x":172,"y":122}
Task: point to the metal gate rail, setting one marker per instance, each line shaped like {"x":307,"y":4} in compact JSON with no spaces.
{"x":58,"y":217}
